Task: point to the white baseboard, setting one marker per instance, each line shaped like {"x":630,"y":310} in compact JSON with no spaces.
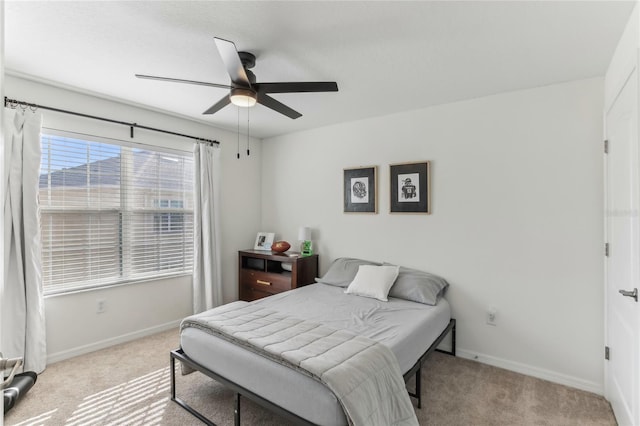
{"x":81,"y":350}
{"x":529,"y":370}
{"x":517,"y":367}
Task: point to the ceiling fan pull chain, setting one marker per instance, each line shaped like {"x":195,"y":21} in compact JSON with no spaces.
{"x":238,"y":147}
{"x":248,"y":140}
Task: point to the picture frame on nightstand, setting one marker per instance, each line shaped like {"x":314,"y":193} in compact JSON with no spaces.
{"x":264,"y":240}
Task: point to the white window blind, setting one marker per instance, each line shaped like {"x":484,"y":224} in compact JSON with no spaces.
{"x":113,"y":213}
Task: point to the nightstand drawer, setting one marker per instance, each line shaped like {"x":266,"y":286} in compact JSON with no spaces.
{"x":261,"y":273}
{"x":253,"y":294}
{"x":265,"y":281}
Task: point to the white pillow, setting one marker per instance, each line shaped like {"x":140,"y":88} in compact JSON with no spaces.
{"x":373,"y":281}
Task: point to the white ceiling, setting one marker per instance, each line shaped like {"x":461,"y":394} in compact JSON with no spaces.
{"x":386,"y":56}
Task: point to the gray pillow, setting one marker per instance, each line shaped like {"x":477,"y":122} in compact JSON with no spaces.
{"x":343,"y":270}
{"x":418,"y":286}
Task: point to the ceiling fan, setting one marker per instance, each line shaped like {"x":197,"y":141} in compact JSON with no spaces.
{"x":244,"y":90}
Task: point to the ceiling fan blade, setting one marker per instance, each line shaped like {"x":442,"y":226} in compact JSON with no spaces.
{"x":277,"y":106}
{"x":178,"y":80}
{"x":218,"y":105}
{"x":232,"y":62}
{"x":307,"y":86}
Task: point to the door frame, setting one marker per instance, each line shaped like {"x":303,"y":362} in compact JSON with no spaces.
{"x":622,"y":67}
{"x":611,"y":299}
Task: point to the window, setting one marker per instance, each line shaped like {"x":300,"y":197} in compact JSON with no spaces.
{"x":113,"y":213}
{"x":169,"y":222}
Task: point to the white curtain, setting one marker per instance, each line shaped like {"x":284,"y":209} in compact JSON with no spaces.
{"x":23,"y":325}
{"x":207,"y":278}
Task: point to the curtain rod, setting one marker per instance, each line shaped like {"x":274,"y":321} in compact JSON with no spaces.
{"x":12,"y":103}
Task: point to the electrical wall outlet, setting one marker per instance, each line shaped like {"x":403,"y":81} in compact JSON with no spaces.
{"x":101,"y":306}
{"x":491,"y":316}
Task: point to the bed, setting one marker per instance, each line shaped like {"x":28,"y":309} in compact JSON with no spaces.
{"x":412,"y":330}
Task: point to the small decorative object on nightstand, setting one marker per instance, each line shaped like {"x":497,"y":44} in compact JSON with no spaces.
{"x":280,"y":246}
{"x":304,"y":235}
{"x":263,"y":273}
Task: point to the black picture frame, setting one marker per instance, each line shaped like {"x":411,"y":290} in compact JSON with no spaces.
{"x":360,"y":189}
{"x":410,"y":188}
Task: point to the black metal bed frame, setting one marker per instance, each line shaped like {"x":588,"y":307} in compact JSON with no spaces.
{"x":238,"y":390}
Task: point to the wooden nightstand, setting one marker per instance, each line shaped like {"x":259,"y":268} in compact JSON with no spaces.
{"x":261,"y":274}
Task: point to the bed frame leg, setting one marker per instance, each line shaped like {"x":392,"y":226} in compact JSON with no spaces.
{"x":183,"y":404}
{"x":451,"y":352}
{"x":236,"y":410}
{"x":453,"y":340}
{"x":417,"y":368}
{"x":419,"y":386}
{"x":172,"y":368}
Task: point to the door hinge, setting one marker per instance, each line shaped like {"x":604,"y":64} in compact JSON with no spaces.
{"x":606,"y":146}
{"x":606,"y":249}
{"x":606,"y":352}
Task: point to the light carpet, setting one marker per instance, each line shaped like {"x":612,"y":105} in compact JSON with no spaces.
{"x":129,"y":384}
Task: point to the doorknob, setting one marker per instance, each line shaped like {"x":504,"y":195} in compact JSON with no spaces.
{"x":633,"y":293}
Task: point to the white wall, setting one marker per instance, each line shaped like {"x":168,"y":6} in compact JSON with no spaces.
{"x":516,"y":223}
{"x":73,"y":326}
{"x":517,"y":217}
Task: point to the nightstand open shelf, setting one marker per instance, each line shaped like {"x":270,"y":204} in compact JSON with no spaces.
{"x":261,"y":273}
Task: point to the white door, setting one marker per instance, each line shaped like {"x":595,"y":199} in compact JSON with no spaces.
{"x":622,"y":373}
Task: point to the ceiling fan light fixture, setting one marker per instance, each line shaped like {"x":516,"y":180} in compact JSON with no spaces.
{"x":244,"y":88}
{"x":243,"y":97}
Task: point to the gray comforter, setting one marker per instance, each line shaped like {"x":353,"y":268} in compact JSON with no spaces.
{"x":362,"y":373}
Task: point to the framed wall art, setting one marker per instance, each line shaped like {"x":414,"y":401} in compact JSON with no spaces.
{"x":360,"y":190}
{"x":410,"y":188}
